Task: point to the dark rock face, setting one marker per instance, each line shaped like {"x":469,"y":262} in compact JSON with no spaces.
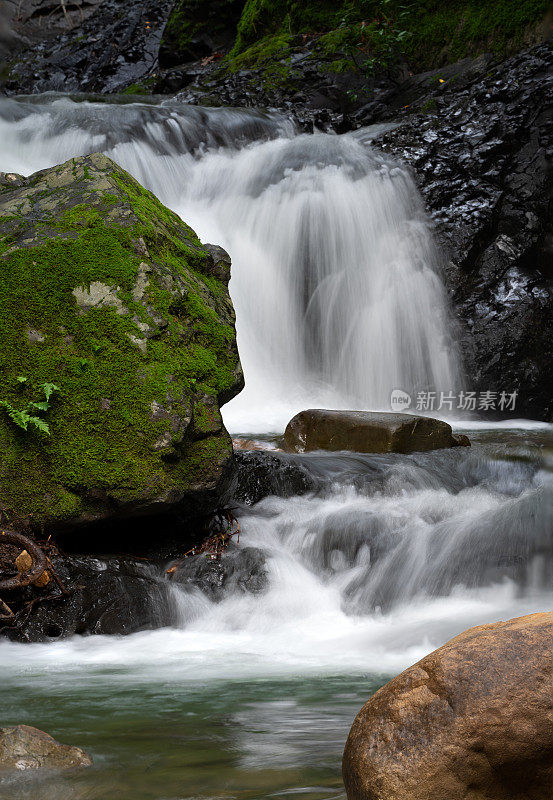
{"x":120,"y":596}
{"x":115,"y":47}
{"x":315,"y":98}
{"x":240,"y":569}
{"x":472,"y":719}
{"x":24,"y":22}
{"x":23,"y":747}
{"x":367,"y":432}
{"x":259,"y":474}
{"x":114,"y":596}
{"x":197,"y":28}
{"x":483,"y":156}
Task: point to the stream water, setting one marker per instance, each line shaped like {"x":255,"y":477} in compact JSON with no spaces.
{"x":339,"y":300}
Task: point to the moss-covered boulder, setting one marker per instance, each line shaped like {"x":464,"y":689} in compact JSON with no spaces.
{"x":108,"y":295}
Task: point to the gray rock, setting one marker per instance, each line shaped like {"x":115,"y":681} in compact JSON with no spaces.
{"x":240,"y":569}
{"x":23,"y":747}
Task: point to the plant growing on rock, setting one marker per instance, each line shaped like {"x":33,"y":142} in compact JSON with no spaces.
{"x":27,"y":419}
{"x":368,"y":45}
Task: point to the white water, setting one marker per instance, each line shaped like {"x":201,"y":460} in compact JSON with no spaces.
{"x":339,"y":300}
{"x":336,"y":279}
{"x":391,"y":557}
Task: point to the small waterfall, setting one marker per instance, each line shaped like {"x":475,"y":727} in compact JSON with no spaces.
{"x":336,"y":278}
{"x":260,"y":667}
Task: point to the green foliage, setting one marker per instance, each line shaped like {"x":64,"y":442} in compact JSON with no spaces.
{"x":368,"y":46}
{"x":446,"y":32}
{"x":372,"y":35}
{"x":25,"y":418}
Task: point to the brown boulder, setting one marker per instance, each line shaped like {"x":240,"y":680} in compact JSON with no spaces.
{"x":23,"y":747}
{"x":367,"y":432}
{"x":472,"y":720}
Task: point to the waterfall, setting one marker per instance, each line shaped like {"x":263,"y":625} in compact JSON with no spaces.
{"x":244,"y":683}
{"x":336,"y":279}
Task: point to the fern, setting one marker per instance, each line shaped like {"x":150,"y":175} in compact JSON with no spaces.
{"x":25,"y":419}
{"x":49,"y":389}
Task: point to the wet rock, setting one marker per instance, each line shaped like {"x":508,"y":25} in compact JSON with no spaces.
{"x":240,"y":569}
{"x":115,"y":48}
{"x":482,"y":152}
{"x":105,"y":596}
{"x":472,"y":719}
{"x":23,"y":747}
{"x":367,"y":432}
{"x":260,"y":474}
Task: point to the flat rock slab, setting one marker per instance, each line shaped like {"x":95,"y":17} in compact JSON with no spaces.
{"x":474,"y":719}
{"x":367,"y":432}
{"x":23,"y":747}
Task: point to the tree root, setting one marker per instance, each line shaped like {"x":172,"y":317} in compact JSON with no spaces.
{"x":39,"y":574}
{"x":39,"y":561}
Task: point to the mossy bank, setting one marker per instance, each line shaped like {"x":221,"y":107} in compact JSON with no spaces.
{"x":278,"y":40}
{"x":111,"y":297}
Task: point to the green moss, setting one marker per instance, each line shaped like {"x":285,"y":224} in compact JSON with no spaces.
{"x":143,"y":88}
{"x":103,"y":429}
{"x":429,"y":106}
{"x":446,"y":33}
{"x":203,"y":455}
{"x":368,"y":35}
{"x":274,"y":47}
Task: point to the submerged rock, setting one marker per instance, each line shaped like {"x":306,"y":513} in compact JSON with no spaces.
{"x":259,"y":474}
{"x":111,"y":297}
{"x":240,"y":569}
{"x":472,"y":719}
{"x":23,"y":747}
{"x":367,"y":432}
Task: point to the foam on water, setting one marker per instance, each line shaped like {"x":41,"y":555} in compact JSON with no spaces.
{"x":336,"y":284}
{"x":361,"y":579}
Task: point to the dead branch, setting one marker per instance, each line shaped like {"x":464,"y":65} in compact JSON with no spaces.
{"x":215,"y":544}
{"x":5,"y":610}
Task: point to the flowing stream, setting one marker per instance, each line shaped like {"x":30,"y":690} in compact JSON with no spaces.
{"x":339,"y":300}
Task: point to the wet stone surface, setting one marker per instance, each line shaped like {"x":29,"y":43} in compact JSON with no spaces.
{"x":483,"y":155}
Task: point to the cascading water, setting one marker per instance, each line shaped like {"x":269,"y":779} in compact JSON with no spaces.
{"x":339,"y":300}
{"x":335,"y":279}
